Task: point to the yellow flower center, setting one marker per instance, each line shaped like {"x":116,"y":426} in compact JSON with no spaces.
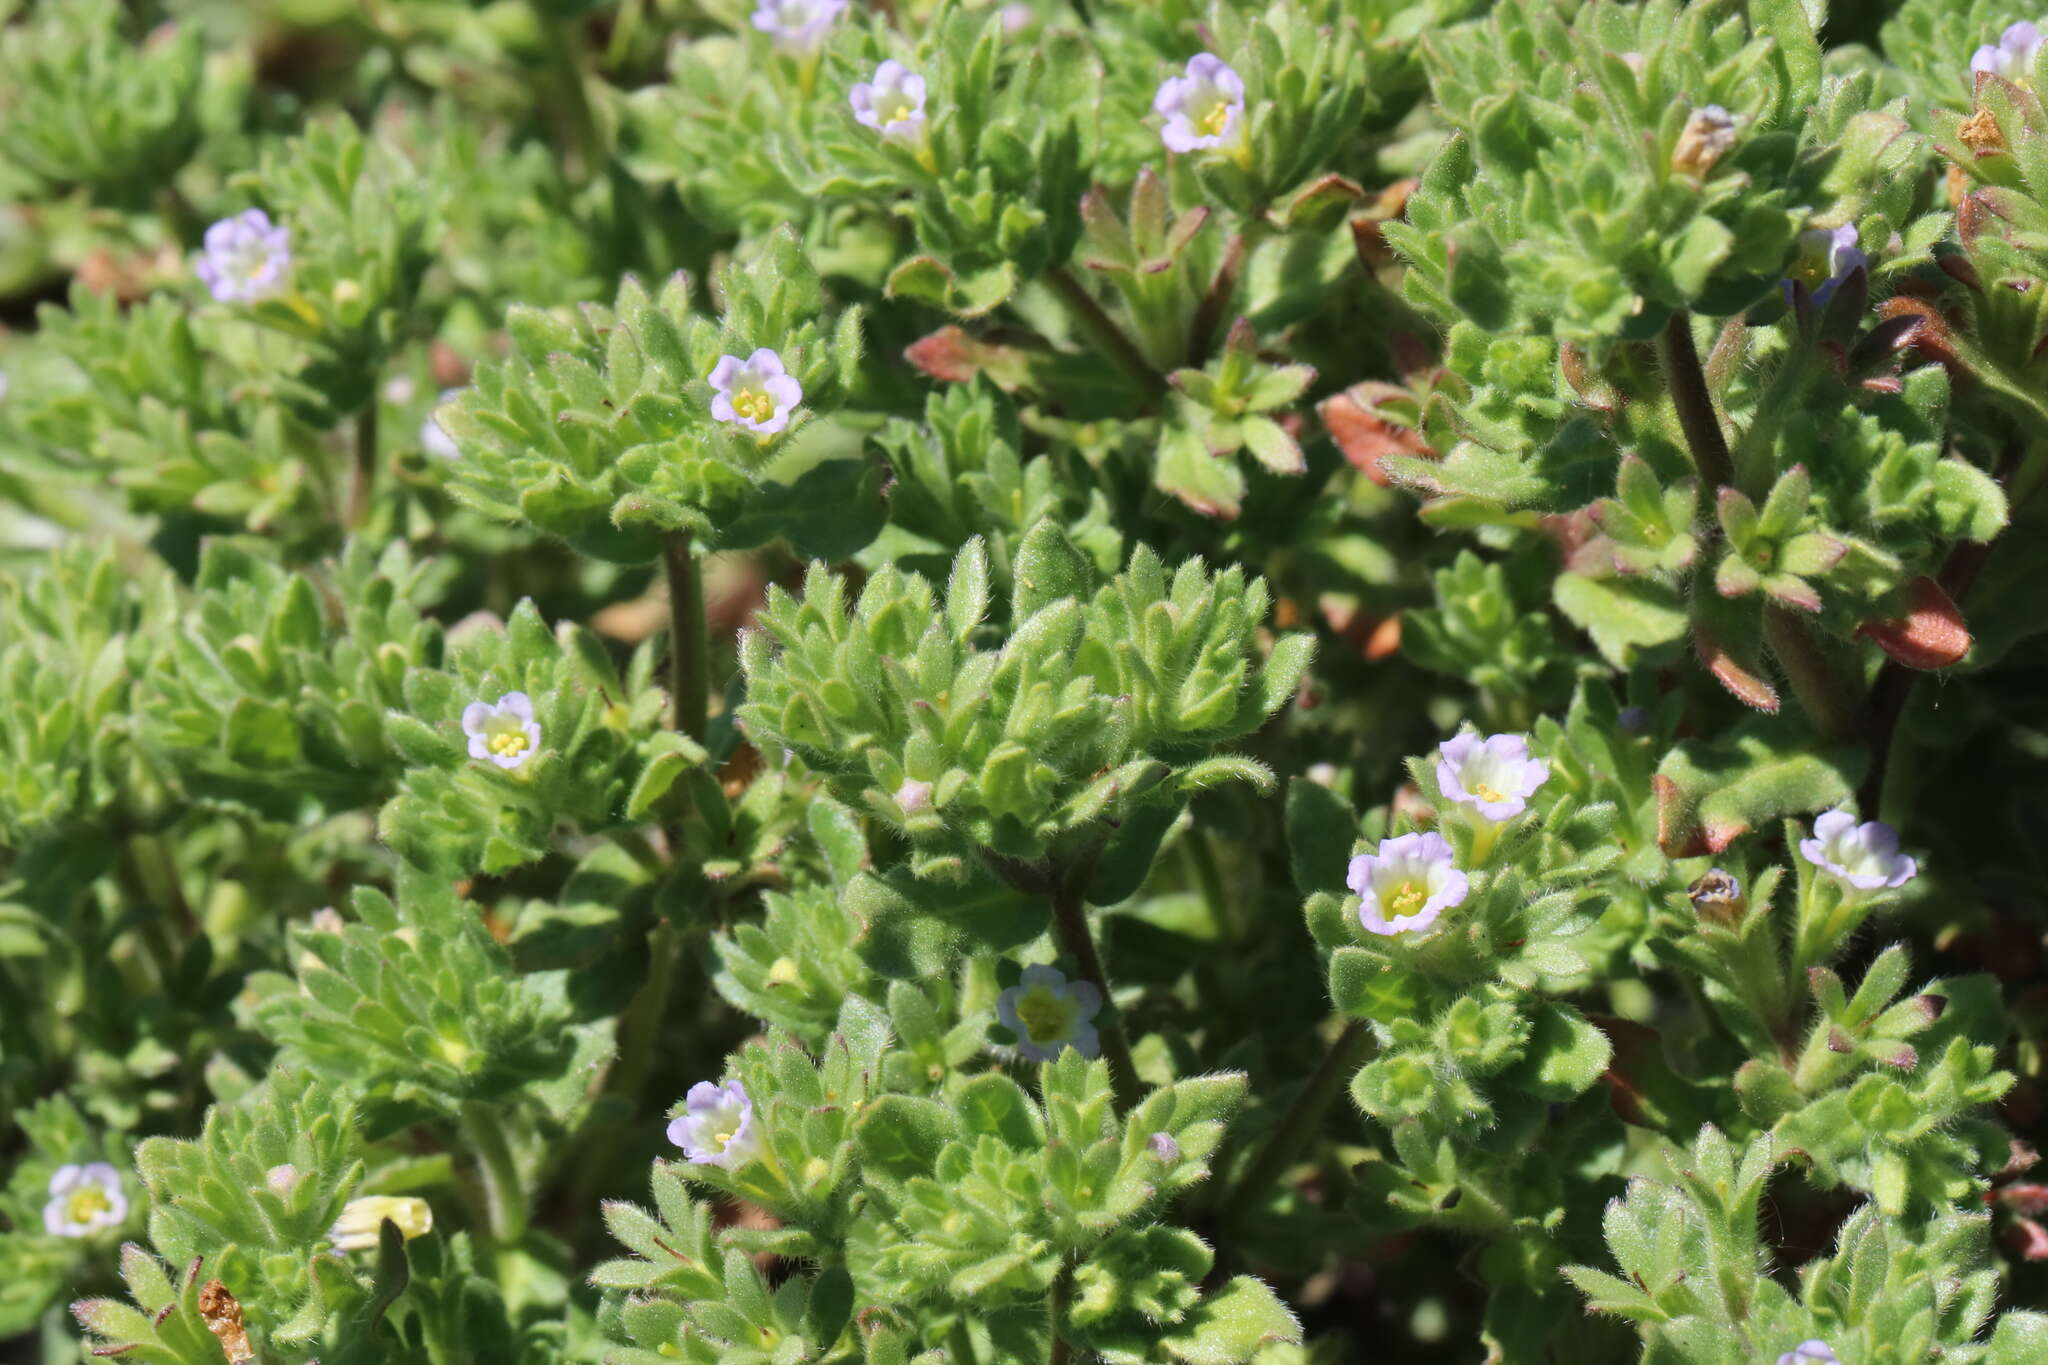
{"x":1409,"y":898}
{"x":1044,"y":1015}
{"x":753,"y":404}
{"x":892,"y":106}
{"x":87,"y":1203}
{"x":1489,"y":794}
{"x":1216,"y":120}
{"x":508,"y":743}
{"x":720,"y":1141}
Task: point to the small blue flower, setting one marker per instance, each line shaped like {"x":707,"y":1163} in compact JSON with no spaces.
{"x":245,"y":258}
{"x":1811,"y":1352}
{"x":1049,"y":1014}
{"x":1865,"y":857}
{"x":2012,"y":56}
{"x":798,"y":25}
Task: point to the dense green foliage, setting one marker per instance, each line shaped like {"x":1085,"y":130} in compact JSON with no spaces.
{"x":944,"y":682}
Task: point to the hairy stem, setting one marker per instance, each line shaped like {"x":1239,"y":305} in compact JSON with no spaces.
{"x":1300,"y":1124}
{"x":1070,"y":923}
{"x":1694,"y":403}
{"x":1103,"y":331}
{"x":504,"y":1192}
{"x":577,"y":138}
{"x":1062,"y":1291}
{"x":689,"y":646}
{"x":362,"y":478}
{"x":1829,"y":699}
{"x":1209,"y":316}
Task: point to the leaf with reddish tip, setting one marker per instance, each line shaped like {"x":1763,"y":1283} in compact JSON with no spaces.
{"x":1742,"y":679}
{"x":1929,"y":636}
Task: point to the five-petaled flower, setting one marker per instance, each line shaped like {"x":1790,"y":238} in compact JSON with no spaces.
{"x":1049,"y":1013}
{"x":1202,"y":109}
{"x":505,"y":733}
{"x":2012,"y":56}
{"x":892,"y":103}
{"x":716,"y":1127}
{"x":798,"y":25}
{"x":1810,"y":1352}
{"x":1865,"y":857}
{"x":1494,"y":776}
{"x":84,"y":1200}
{"x":245,"y":258}
{"x":756,"y":393}
{"x":1407,"y":885}
{"x":362,"y":1220}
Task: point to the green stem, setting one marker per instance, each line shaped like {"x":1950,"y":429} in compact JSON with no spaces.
{"x":1695,"y":405}
{"x":577,"y":135}
{"x":504,"y":1192}
{"x":1062,"y":1291}
{"x":1209,"y":315}
{"x":960,"y":1344}
{"x":362,"y":480}
{"x":1828,"y":698}
{"x":1070,"y":924}
{"x":1301,"y":1123}
{"x":689,"y":645}
{"x":640,"y":1025}
{"x":1208,"y":878}
{"x":1102,"y":330}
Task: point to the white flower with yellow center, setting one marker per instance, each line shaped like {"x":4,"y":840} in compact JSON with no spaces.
{"x":716,"y":1127}
{"x":362,"y":1221}
{"x":1202,"y":109}
{"x":84,"y":1200}
{"x":1407,"y":885}
{"x":892,"y":103}
{"x":797,"y":25}
{"x":1049,"y":1014}
{"x":246,"y":258}
{"x":756,"y":393}
{"x":1494,"y":776}
{"x":504,"y":733}
{"x":2012,"y":56}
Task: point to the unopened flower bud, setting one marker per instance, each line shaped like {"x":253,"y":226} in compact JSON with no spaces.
{"x":1717,"y":898}
{"x":1162,"y":1145}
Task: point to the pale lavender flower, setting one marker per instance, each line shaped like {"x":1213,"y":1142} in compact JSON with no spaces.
{"x":434,"y":437}
{"x":1049,"y":1013}
{"x":892,"y":103}
{"x":1407,"y":885}
{"x":798,"y":25}
{"x":1202,"y":109}
{"x":1810,"y":1352}
{"x":913,"y":796}
{"x":716,"y":1127}
{"x":756,"y":393}
{"x":1830,"y":255}
{"x":2012,"y":56}
{"x":84,"y":1200}
{"x":1494,"y":776}
{"x":504,"y":733}
{"x":245,"y":258}
{"x":1864,"y":856}
{"x":1162,"y":1145}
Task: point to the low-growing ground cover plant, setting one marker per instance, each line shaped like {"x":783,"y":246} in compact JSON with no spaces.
{"x":883,"y":682}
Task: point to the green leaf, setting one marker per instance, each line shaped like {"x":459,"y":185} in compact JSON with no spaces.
{"x":900,"y":1135}
{"x":1566,"y":1054}
{"x":1046,"y":569}
{"x":1232,"y":1325}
